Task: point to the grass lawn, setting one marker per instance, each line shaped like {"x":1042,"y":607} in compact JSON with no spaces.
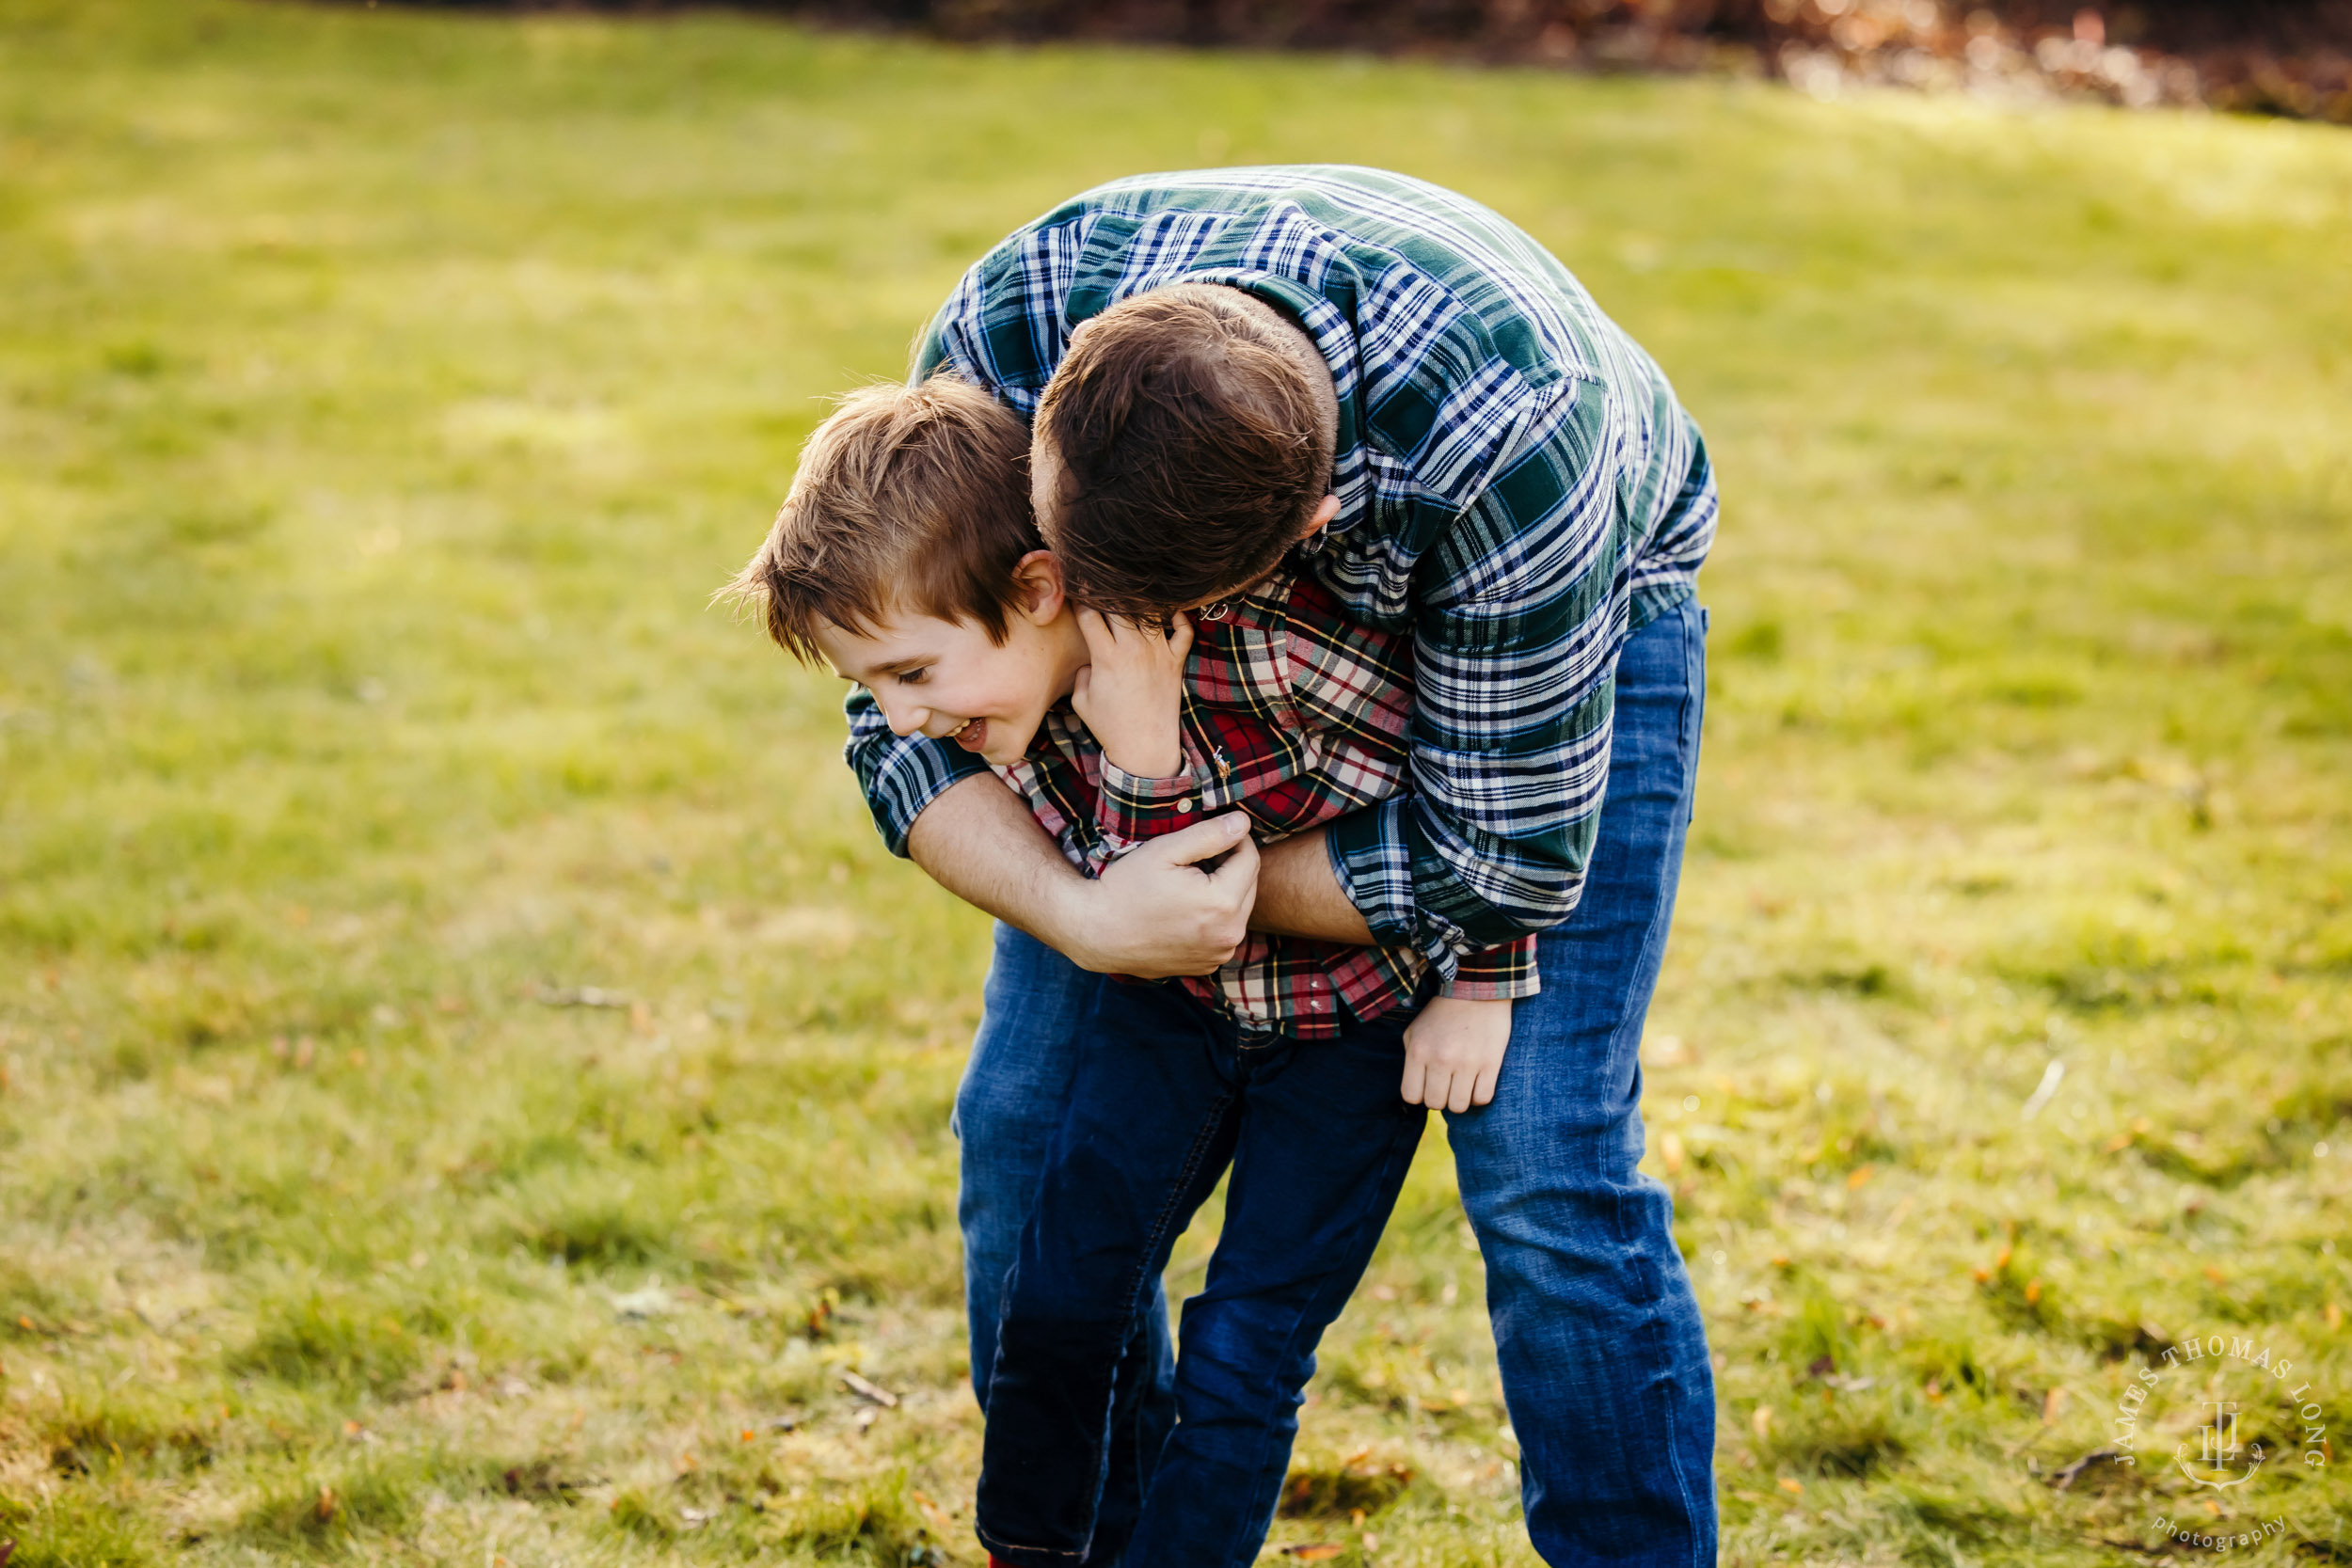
{"x":382,"y":394}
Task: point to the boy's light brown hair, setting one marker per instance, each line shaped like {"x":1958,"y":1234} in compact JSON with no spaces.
{"x":908,"y":498}
{"x":1189,"y":451}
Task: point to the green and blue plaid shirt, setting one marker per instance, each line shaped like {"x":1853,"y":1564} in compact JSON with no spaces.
{"x":1519,"y":490}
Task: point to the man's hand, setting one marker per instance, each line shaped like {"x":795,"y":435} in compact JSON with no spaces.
{"x":1133,"y":695}
{"x":1158,"y":911}
{"x":1454,"y":1053}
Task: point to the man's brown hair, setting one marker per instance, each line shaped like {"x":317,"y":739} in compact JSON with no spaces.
{"x":1190,"y":455}
{"x":907,"y":498}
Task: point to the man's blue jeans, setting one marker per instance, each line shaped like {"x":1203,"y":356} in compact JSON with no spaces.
{"x":1603,"y":1356}
{"x":1167,"y":1092}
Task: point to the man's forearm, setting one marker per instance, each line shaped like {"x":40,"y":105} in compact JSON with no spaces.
{"x":1299,"y":895}
{"x":1155,"y":913}
{"x":979,"y":842}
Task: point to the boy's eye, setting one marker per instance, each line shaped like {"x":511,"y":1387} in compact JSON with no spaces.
{"x":915,"y":676}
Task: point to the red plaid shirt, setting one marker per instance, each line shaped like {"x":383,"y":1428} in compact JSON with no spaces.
{"x":1297,"y":715}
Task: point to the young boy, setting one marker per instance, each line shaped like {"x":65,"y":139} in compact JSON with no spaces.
{"x":905,"y":556}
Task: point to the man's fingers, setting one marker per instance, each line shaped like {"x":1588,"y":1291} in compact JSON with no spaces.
{"x":1203,"y":840}
{"x":1239,"y":870}
{"x":1484,"y":1092}
{"x":1458,"y":1098}
{"x":1235,"y":881}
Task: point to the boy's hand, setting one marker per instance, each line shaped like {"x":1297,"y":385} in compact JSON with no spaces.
{"x":1133,"y":695}
{"x":1454,"y":1053}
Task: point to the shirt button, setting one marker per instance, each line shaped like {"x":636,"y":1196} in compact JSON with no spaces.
{"x":1185,"y":804}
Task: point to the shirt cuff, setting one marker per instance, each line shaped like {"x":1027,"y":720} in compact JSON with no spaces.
{"x":1497,"y":974}
{"x":1385,"y":869}
{"x":1132,"y":808}
{"x":1373,"y":858}
{"x":903,"y":779}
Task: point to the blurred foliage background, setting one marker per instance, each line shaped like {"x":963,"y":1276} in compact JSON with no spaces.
{"x":2287,"y":57}
{"x":476,"y":1090}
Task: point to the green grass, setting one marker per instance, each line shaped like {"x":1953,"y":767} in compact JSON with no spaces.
{"x":382,"y":394}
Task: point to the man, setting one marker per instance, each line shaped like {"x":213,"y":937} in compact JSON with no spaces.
{"x":1456,"y":442}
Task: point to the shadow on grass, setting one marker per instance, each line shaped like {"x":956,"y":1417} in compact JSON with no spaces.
{"x":317,"y":1340}
{"x":872,"y":1521}
{"x":1335,"y":1490}
{"x":597,"y":1221}
{"x":76,"y":1527}
{"x":94,"y":1431}
{"x":349,"y":1503}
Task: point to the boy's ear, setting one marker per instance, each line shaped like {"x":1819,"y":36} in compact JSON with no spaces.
{"x":1326,"y":509}
{"x":1038,"y":587}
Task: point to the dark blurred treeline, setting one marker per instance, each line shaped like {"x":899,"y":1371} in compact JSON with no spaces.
{"x":2273,"y":56}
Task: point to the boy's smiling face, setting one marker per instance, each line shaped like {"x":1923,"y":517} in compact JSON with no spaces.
{"x":946,"y":680}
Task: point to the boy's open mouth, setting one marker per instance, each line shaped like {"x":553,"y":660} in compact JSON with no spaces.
{"x":973,"y":735}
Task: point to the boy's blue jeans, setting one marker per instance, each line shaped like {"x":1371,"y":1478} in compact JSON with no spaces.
{"x":1165,"y":1095}
{"x":1604,"y":1360}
